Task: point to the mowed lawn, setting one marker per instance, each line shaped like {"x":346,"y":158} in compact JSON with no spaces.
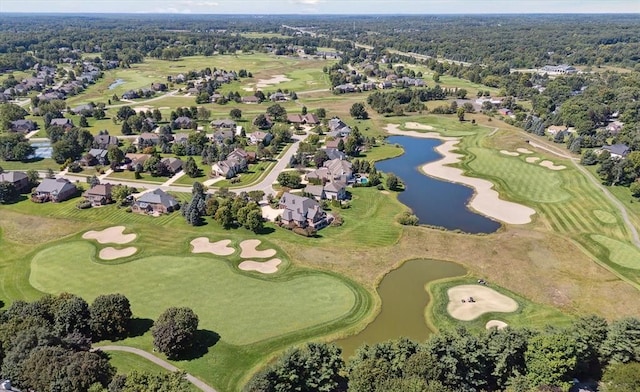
{"x":241,"y":308}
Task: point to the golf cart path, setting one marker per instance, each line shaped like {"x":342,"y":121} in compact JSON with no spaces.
{"x":160,"y":362}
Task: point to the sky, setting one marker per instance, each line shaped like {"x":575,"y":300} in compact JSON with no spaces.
{"x":322,"y":6}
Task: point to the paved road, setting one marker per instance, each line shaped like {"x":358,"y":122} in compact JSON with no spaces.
{"x":160,"y":362}
{"x":623,"y":211}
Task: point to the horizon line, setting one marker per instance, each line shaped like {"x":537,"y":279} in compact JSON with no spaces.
{"x":315,"y":14}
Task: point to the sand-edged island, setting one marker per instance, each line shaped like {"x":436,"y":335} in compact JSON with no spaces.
{"x":111,"y":235}
{"x":470,"y":301}
{"x":265,"y":267}
{"x":248,"y":250}
{"x":485,"y":200}
{"x":110,"y":253}
{"x":218,"y":248}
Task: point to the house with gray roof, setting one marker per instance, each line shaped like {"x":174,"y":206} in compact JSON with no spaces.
{"x":174,"y":165}
{"x":183,"y":122}
{"x":65,"y":123}
{"x":95,"y":156}
{"x":55,"y":190}
{"x":23,"y":126}
{"x":300,"y":211}
{"x":225,"y":124}
{"x":334,"y":153}
{"x":104,"y":141}
{"x":155,"y":202}
{"x":617,"y":150}
{"x":18,"y":179}
{"x":338,"y":128}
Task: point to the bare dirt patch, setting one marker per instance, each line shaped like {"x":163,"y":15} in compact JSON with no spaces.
{"x":270,"y":213}
{"x":532,"y":159}
{"x":275,"y":79}
{"x":509,"y":153}
{"x":111,"y":235}
{"x":265,"y":267}
{"x":485,"y":300}
{"x":496,"y":324}
{"x":248,"y":248}
{"x":218,"y":248}
{"x":550,"y":165}
{"x":145,"y":108}
{"x":110,"y":253}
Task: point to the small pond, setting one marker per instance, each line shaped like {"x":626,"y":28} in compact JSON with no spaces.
{"x":434,"y":202}
{"x":404,"y":299}
{"x":117,"y":83}
{"x":43,"y":150}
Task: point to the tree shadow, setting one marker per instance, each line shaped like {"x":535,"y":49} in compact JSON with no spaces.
{"x":203,"y":340}
{"x":139,"y":326}
{"x":266,"y":230}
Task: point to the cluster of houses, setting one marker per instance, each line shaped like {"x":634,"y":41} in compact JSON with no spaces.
{"x":562,"y":69}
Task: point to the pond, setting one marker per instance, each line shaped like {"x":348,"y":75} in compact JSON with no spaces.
{"x":434,"y":202}
{"x":117,"y":83}
{"x":404,"y":300}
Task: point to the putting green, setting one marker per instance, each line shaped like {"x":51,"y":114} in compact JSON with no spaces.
{"x":605,"y":217}
{"x":619,"y":252}
{"x":240,"y":308}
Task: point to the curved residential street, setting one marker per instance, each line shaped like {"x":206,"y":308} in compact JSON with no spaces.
{"x":160,"y":362}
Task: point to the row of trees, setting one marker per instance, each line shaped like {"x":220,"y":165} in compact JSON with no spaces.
{"x":512,"y":359}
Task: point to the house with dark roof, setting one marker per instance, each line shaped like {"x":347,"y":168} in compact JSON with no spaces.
{"x":174,"y":165}
{"x":222,"y":135}
{"x":65,"y":123}
{"x":334,"y":153}
{"x":302,"y":212}
{"x":617,"y":150}
{"x":23,"y":126}
{"x":18,"y":179}
{"x":155,"y":202}
{"x":104,"y":141}
{"x":95,"y":156}
{"x":225,"y":124}
{"x":183,"y":122}
{"x":99,"y":195}
{"x":83,"y":109}
{"x":237,"y":162}
{"x":250,"y":99}
{"x":148,"y":139}
{"x":55,"y":190}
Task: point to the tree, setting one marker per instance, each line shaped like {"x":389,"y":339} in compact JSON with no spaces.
{"x":320,"y":158}
{"x":203,"y":113}
{"x":8,"y":193}
{"x":256,"y":196}
{"x":115,"y":155}
{"x":125,"y":112}
{"x":460,"y":112}
{"x":83,"y":122}
{"x":358,"y":111}
{"x":72,"y":316}
{"x":622,"y":343}
{"x":174,"y":331}
{"x":34,"y":177}
{"x":191,"y":168}
{"x":551,"y":358}
{"x":392,"y":182}
{"x":321,"y":113}
{"x":10,"y":112}
{"x":254,"y":221}
{"x":289,"y":179}
{"x":224,"y":216}
{"x":137,"y":381}
{"x":235,"y":114}
{"x":110,"y":317}
{"x":261,"y":121}
{"x":277,"y":112}
{"x":621,"y":377}
{"x":119,"y":193}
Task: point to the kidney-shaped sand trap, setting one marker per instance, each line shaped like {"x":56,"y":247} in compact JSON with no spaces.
{"x":248,"y":248}
{"x":524,"y":150}
{"x":486,"y":300}
{"x":111,"y":235}
{"x":496,"y":324}
{"x":550,"y":165}
{"x":532,"y":159}
{"x":265,"y":267}
{"x":110,"y":253}
{"x":219,"y":248}
{"x":509,"y":153}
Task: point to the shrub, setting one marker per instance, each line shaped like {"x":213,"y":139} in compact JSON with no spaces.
{"x":408,"y":219}
{"x":83,"y":204}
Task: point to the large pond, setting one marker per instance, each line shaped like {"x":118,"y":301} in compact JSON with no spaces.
{"x":434,"y":202}
{"x":115,"y":84}
{"x":404,"y":300}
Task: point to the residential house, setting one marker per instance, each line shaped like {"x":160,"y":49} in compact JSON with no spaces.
{"x":345,"y":88}
{"x":180,"y":138}
{"x":132,"y":160}
{"x":385,"y":84}
{"x":99,"y":195}
{"x":174,"y":165}
{"x":334,"y":153}
{"x":505,"y":112}
{"x":183,"y":122}
{"x":251,"y":99}
{"x":236,"y":162}
{"x":55,"y":190}
{"x":222,"y":135}
{"x":335,"y":190}
{"x":95,"y":156}
{"x":320,"y":175}
{"x":159,"y":87}
{"x":317,"y":191}
{"x":302,"y":212}
{"x":155,"y":202}
{"x":333,"y":144}
{"x":308,"y":118}
{"x":223,"y":125}
{"x":340,"y":169}
{"x":104,"y":141}
{"x":278,"y":97}
{"x":23,"y":126}
{"x":147,"y":139}
{"x":338,"y":128}
{"x":561,"y":69}
{"x":18,"y":179}
{"x":555,"y":129}
{"x":260,"y":137}
{"x":83,"y":109}
{"x":614,"y":127}
{"x":617,"y":150}
{"x":65,"y":123}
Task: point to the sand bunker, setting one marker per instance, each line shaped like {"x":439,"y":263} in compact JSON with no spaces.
{"x":110,"y":253}
{"x":248,"y":248}
{"x":509,"y":153}
{"x":219,"y":248}
{"x":265,"y":267}
{"x":524,"y":151}
{"x":550,"y":165}
{"x":145,"y":108}
{"x":418,"y":126}
{"x":485,"y":200}
{"x":486,"y":300}
{"x":111,"y":235}
{"x":496,"y":324}
{"x":532,"y":159}
{"x":275,"y":79}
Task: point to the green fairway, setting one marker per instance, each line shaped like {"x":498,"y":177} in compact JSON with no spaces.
{"x":127,"y":362}
{"x":620,"y":253}
{"x":243,"y":309}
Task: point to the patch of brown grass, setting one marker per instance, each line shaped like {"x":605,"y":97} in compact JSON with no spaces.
{"x":30,"y":229}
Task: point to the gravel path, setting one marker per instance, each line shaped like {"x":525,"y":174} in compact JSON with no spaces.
{"x":160,"y":362}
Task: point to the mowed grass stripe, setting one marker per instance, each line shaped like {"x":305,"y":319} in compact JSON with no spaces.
{"x":551,"y":212}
